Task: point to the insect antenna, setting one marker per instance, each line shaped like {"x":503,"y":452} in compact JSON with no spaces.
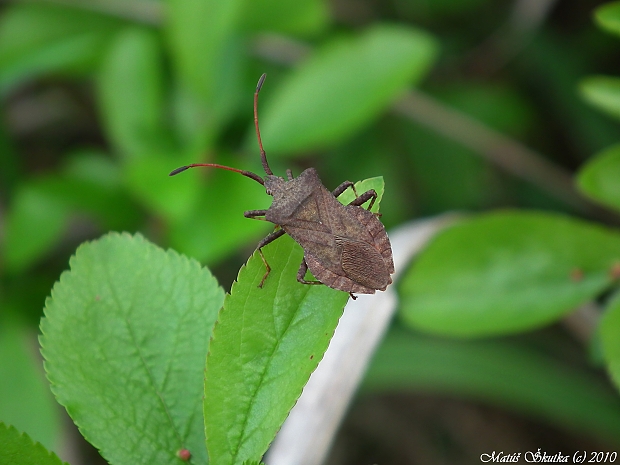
{"x":263,"y":155}
{"x":249,"y":174}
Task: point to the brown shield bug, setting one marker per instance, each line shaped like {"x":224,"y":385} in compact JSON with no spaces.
{"x":345,"y":246}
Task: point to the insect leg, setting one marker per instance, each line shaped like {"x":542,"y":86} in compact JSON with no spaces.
{"x":269,"y":238}
{"x":303,"y":268}
{"x":371,"y":194}
{"x":289,"y":175}
{"x":343,"y":187}
{"x":254,"y":214}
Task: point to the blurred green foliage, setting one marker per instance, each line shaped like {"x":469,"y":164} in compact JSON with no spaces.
{"x":100,"y":100}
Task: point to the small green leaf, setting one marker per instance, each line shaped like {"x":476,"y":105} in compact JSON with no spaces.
{"x":608,"y":17}
{"x":343,"y":86}
{"x":19,"y":449}
{"x":603,"y":92}
{"x":610,"y":338}
{"x":35,"y":222}
{"x":41,"y":38}
{"x":375,"y":183}
{"x":124,"y":338}
{"x":265,"y":345}
{"x":130,"y":93}
{"x":506,"y":272}
{"x":600,"y":177}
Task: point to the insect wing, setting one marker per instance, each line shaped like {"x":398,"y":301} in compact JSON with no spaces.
{"x":364,"y":264}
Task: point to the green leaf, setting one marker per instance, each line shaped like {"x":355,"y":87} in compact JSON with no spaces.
{"x":607,"y":17}
{"x":343,"y":87}
{"x":25,"y":399}
{"x":297,"y":17}
{"x":19,"y":449}
{"x":130,"y":93}
{"x":500,"y":373}
{"x":124,"y":338}
{"x":208,"y":56}
{"x":35,"y":222}
{"x":265,"y":345}
{"x":507,"y":272}
{"x":600,"y":177}
{"x":610,"y":338}
{"x":603,"y":92}
{"x":199,"y":32}
{"x":375,"y":183}
{"x":37,"y":39}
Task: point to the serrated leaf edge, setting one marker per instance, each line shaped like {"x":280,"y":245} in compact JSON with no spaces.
{"x":66,"y":275}
{"x":36,"y":444}
{"x":307,"y":289}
